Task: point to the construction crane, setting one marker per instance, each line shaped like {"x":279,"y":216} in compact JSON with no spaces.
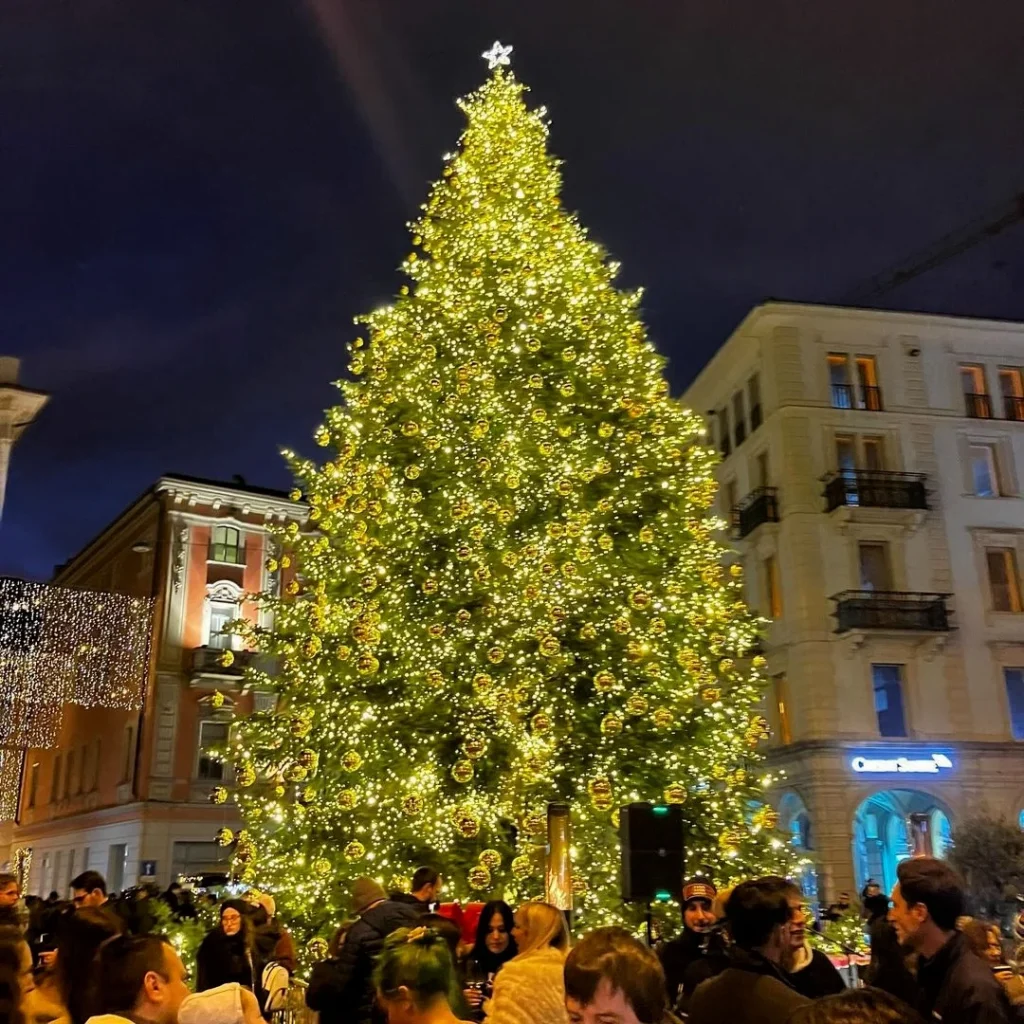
{"x":939,"y":251}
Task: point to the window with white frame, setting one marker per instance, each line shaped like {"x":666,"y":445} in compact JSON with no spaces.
{"x":984,"y":470}
{"x":213,"y":737}
{"x":226,"y":546}
{"x":221,"y":614}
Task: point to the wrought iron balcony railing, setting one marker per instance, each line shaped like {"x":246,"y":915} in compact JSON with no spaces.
{"x":874,"y":488}
{"x":890,"y":609}
{"x":1013,"y":407}
{"x":759,"y":506}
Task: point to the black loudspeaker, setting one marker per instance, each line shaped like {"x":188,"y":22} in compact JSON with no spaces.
{"x":651,"y":836}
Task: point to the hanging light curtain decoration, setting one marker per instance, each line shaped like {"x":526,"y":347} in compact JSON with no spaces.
{"x":10,"y":780}
{"x":59,"y":646}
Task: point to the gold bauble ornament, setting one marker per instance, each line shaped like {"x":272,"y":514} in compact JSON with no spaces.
{"x":646,"y":535}
{"x":719,"y":771}
{"x":295,"y":773}
{"x":245,"y":774}
{"x":522,"y":868}
{"x":429,"y":586}
{"x":766,"y":817}
{"x":758,"y":662}
{"x":434,"y":678}
{"x":550,"y":646}
{"x":601,"y":786}
{"x":227,"y":658}
{"x":217,"y":700}
{"x":622,"y":625}
{"x":410,"y":428}
{"x":309,"y":759}
{"x":588,"y":631}
{"x":611,"y":725}
{"x":479,"y":877}
{"x":317,"y":949}
{"x":710,"y":694}
{"x":675,"y":793}
{"x":468,"y":827}
{"x":354,"y":850}
{"x":636,"y":705}
{"x":218,"y":795}
{"x":579,"y":885}
{"x":491,"y":859}
{"x":496,"y":655}
{"x":541,"y":722}
{"x":639,"y":599}
{"x":604,"y":681}
{"x":351,"y":761}
{"x":347,"y":799}
{"x":482,"y":683}
{"x":412,"y":806}
{"x":224,"y":837}
{"x":462,"y":771}
{"x":300,"y":726}
{"x":663,"y":718}
{"x":474,"y":747}
{"x":534,"y":824}
{"x":731,"y":838}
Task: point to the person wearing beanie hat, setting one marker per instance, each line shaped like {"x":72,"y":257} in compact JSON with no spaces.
{"x":341,"y":988}
{"x":693,"y":944}
{"x":272,"y":948}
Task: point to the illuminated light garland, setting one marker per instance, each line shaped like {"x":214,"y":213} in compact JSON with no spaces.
{"x":59,"y":646}
{"x":515,"y":595}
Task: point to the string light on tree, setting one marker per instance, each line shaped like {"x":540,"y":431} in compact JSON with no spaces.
{"x":515,"y":595}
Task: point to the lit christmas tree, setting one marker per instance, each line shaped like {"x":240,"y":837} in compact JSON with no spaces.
{"x":514,"y":594}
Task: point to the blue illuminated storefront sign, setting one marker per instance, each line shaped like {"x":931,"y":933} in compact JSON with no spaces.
{"x":901,"y":764}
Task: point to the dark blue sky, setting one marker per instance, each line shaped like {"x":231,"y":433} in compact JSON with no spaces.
{"x":198,"y":195}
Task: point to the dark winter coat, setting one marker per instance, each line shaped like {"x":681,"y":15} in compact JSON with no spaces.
{"x":888,"y":968}
{"x":749,"y":991}
{"x":222,"y":958}
{"x":957,"y":986}
{"x":272,"y":942}
{"x":817,"y":977}
{"x":341,"y":988}
{"x":410,"y":901}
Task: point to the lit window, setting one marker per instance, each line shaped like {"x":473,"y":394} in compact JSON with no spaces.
{"x":1004,"y":583}
{"x":1011,"y":385}
{"x":221,"y":614}
{"x":867,"y":379}
{"x":33,"y":784}
{"x":724,"y":440}
{"x":225,"y":546}
{"x":839,"y":380}
{"x":874,"y":567}
{"x":976,"y":400}
{"x":984,"y":474}
{"x":213,"y":736}
{"x":887,"y":681}
{"x":1015,"y":698}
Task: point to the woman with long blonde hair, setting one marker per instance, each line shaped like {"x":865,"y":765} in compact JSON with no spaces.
{"x":530,"y":989}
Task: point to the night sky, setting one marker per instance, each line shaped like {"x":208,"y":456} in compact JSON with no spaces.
{"x":198,"y":195}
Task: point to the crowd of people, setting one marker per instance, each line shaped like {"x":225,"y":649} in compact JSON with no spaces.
{"x":743,"y":957}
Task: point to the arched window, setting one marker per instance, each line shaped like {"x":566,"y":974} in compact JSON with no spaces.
{"x":226,"y":546}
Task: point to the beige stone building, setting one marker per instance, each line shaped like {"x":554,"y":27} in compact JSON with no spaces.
{"x":872,"y":473}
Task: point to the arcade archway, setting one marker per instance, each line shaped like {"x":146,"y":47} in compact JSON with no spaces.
{"x":894,"y":824}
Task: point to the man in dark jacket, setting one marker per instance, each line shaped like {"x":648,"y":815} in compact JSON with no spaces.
{"x":956,"y":986}
{"x":888,"y":968}
{"x":698,"y":920}
{"x":341,"y":989}
{"x":752,"y":989}
{"x":426,"y":890}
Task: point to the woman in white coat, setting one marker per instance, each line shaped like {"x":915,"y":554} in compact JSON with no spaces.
{"x":529,"y":989}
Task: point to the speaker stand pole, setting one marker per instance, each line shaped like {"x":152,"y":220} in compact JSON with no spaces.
{"x":649,"y":922}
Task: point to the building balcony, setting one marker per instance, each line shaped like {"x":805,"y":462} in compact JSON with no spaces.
{"x":859,"y":610}
{"x":759,"y":506}
{"x":874,"y":488}
{"x":977,"y":407}
{"x":845,"y":396}
{"x":1013,"y":408}
{"x":206,"y":663}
